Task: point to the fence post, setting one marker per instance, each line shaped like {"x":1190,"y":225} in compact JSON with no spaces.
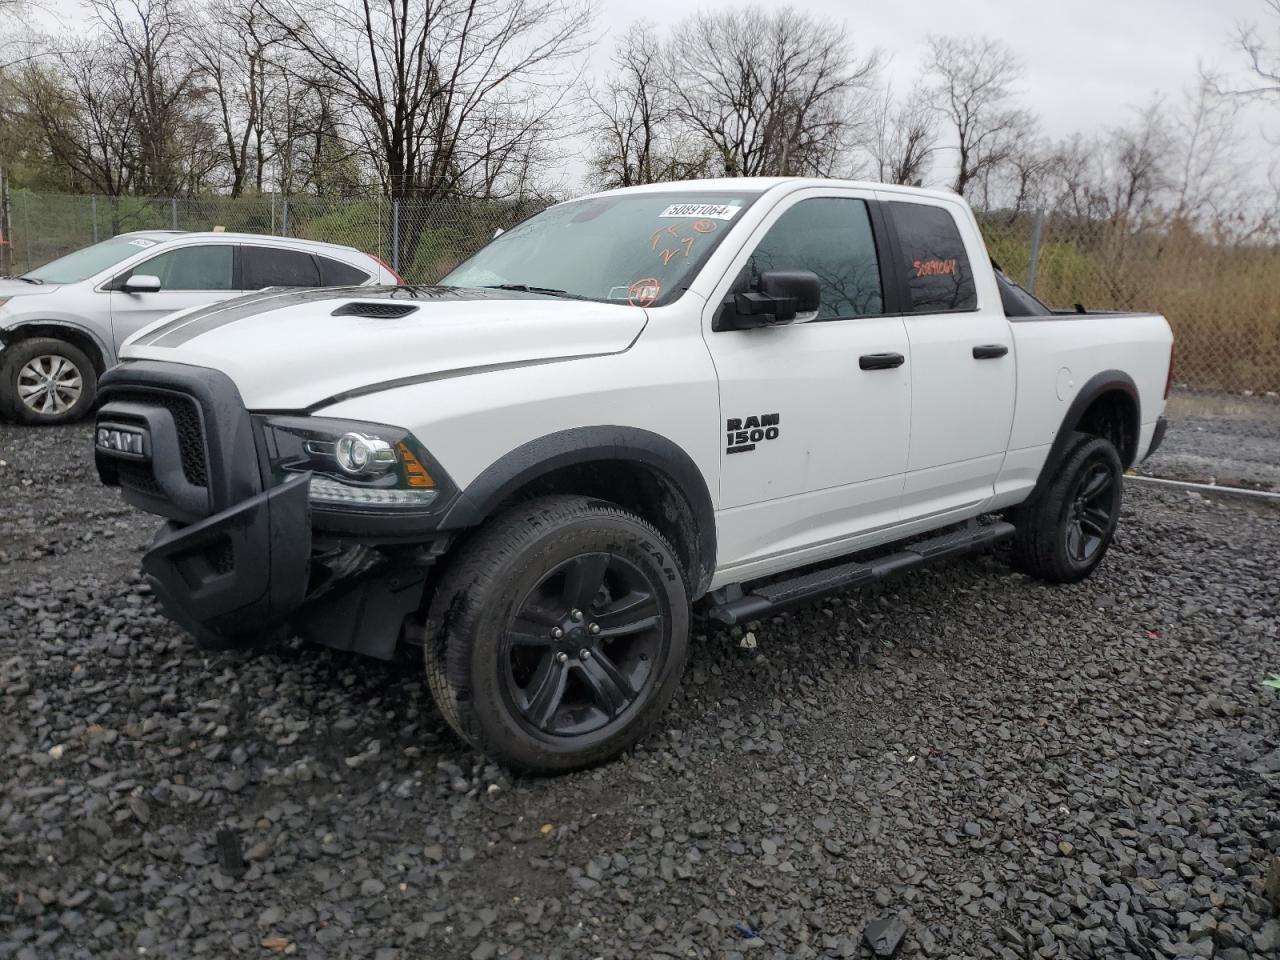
{"x":93,"y":206}
{"x":284,"y":217}
{"x":1037,"y":226}
{"x":6,"y":232}
{"x":273,"y":213}
{"x":395,"y":236}
{"x":173,"y":210}
{"x":26,"y":220}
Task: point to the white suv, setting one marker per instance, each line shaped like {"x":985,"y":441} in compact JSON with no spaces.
{"x":61,"y":325}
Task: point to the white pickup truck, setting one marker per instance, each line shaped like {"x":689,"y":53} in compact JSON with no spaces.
{"x":727,"y":396}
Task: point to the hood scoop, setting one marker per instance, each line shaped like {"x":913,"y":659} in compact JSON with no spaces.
{"x":376,"y":311}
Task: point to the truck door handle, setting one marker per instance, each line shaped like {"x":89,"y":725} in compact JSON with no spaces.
{"x":881,"y":361}
{"x":989,"y":351}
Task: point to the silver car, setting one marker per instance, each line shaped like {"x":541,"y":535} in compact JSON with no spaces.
{"x":61,"y":325}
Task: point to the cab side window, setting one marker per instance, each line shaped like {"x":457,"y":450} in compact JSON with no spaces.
{"x":937,"y":267}
{"x":830,"y":236}
{"x":275,"y":267}
{"x":206,"y":267}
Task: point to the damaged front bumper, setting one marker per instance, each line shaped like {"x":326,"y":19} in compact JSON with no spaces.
{"x":245,"y":553}
{"x":237,"y":573}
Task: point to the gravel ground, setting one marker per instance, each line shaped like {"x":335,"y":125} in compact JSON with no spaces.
{"x":1008,"y":769}
{"x":1230,"y":440}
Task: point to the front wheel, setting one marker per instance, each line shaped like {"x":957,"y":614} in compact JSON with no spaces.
{"x":559,"y":634}
{"x":1063,"y":534}
{"x":46,"y":381}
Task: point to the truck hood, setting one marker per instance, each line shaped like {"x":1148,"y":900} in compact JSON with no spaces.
{"x":296,"y":349}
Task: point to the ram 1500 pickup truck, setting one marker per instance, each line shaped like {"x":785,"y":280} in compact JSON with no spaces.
{"x":727,"y":396}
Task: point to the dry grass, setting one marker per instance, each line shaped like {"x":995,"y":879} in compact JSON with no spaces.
{"x":1222,"y":300}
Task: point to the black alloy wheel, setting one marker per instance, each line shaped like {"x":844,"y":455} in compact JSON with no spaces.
{"x":1063,"y":534}
{"x":1092,"y":512}
{"x":558,"y":634}
{"x":582,"y":645}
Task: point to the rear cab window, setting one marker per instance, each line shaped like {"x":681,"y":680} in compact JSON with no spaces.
{"x":935,"y":262}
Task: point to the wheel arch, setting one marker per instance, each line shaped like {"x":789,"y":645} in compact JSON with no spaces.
{"x":637,"y":469}
{"x":1108,"y":406}
{"x":80,"y":337}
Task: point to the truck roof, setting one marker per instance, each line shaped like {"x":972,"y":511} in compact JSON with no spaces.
{"x":765,"y":184}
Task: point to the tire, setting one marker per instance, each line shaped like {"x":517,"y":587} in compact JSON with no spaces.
{"x":518,"y":675}
{"x":30,"y":363}
{"x":1063,"y":534}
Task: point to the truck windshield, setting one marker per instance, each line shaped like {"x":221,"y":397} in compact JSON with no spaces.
{"x":638,"y":248}
{"x":83,"y":264}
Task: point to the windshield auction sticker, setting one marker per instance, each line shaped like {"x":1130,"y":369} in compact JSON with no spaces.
{"x":142,"y":243}
{"x":716,"y":211}
{"x":644,"y":292}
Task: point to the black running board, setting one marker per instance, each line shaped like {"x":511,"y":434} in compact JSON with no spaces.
{"x":733,"y":605}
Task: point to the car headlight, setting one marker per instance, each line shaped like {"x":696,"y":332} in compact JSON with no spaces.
{"x":353,"y":465}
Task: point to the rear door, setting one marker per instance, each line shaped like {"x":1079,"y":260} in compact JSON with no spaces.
{"x":815,"y":434}
{"x":190,"y":276}
{"x":963,"y":377}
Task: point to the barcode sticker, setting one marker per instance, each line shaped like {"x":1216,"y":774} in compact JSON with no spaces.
{"x":715,"y":211}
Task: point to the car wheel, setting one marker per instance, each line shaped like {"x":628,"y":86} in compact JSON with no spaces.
{"x":558,"y":636}
{"x":46,"y":381}
{"x":1064,"y":534}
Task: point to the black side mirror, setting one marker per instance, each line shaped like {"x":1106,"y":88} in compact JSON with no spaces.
{"x":782,"y":295}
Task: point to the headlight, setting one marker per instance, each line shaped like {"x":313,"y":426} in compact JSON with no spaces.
{"x":353,"y":465}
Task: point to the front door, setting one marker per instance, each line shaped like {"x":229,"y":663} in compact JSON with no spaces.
{"x":814,"y":414}
{"x":963,"y":374}
{"x":189,"y":277}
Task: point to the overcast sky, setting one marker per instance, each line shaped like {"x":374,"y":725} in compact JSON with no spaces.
{"x":1087,"y":61}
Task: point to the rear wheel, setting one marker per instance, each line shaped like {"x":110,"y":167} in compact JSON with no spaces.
{"x":46,"y":381}
{"x":558,"y":636}
{"x":1064,"y":533}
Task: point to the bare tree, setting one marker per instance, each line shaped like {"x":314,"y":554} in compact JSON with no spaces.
{"x":1138,"y":155}
{"x":776,"y":92}
{"x":904,"y":136}
{"x":1206,"y":173}
{"x":424,"y":86}
{"x":84,"y":105}
{"x":1262,"y":57}
{"x":230,"y":42}
{"x":975,"y":78}
{"x":147,"y":36}
{"x":637,"y":136}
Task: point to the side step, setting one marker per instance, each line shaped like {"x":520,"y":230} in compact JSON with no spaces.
{"x":732,"y":605}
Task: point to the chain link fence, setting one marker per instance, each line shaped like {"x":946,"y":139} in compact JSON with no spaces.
{"x":420,"y":240}
{"x":1221,"y":296}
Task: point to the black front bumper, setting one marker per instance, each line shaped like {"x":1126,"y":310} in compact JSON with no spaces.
{"x":237,"y":573}
{"x":241,"y":554}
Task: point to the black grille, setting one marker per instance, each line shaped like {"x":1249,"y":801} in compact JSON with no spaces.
{"x":378,"y":311}
{"x":222,"y":558}
{"x":138,"y":477}
{"x":186,"y":419}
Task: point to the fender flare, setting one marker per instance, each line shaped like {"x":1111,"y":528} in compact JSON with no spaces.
{"x":1096,"y":386}
{"x":581,"y":445}
{"x":17,"y":332}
